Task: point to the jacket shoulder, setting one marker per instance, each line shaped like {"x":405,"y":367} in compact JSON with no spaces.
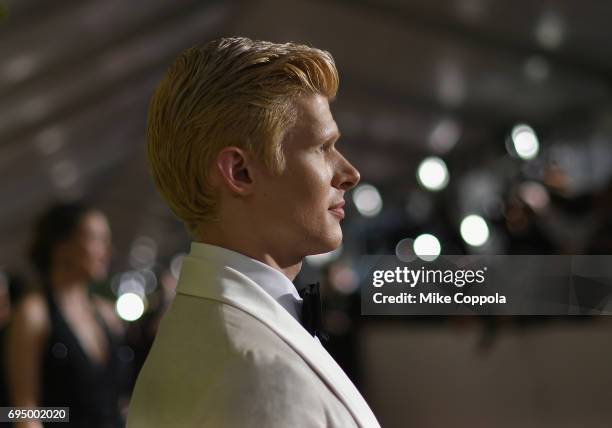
{"x":213,"y":364}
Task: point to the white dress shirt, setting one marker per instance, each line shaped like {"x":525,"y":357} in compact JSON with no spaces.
{"x":273,"y":282}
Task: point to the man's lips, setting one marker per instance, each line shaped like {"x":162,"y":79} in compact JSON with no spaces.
{"x":338,"y":209}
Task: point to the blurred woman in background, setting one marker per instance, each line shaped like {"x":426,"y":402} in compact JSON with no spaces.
{"x":63,"y":341}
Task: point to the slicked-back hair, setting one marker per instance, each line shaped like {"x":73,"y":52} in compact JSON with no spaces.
{"x":229,"y":92}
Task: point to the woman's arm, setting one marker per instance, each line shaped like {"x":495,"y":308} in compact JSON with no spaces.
{"x":26,"y":339}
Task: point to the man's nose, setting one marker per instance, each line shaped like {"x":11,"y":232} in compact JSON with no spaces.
{"x":346,"y":176}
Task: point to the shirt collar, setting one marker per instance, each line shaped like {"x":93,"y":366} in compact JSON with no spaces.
{"x":273,"y":282}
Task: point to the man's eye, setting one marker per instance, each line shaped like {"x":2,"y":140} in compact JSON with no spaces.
{"x":326,"y":147}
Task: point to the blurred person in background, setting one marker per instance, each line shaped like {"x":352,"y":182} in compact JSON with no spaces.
{"x":5,"y":314}
{"x":5,"y":301}
{"x":11,"y":289}
{"x":63,"y":341}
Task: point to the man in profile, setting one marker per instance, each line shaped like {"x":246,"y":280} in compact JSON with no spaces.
{"x":242,"y":147}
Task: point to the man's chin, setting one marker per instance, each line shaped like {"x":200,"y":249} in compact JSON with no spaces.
{"x":331,"y":243}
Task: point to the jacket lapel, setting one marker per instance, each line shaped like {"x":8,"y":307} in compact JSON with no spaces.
{"x":204,"y":279}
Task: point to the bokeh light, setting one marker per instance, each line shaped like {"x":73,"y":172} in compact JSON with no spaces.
{"x":534,"y":194}
{"x":404,"y":250}
{"x":427,"y":247}
{"x":367,"y":200}
{"x":525,"y":141}
{"x":444,"y":136}
{"x":130,"y":306}
{"x":143,"y":252}
{"x":432,"y":173}
{"x":474,"y":230}
{"x":549,"y":30}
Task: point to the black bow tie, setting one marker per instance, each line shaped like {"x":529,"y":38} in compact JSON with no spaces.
{"x":312,"y":319}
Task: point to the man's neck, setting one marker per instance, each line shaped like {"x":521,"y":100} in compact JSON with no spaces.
{"x":289,"y":268}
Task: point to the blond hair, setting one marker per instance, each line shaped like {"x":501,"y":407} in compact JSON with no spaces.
{"x":229,"y":92}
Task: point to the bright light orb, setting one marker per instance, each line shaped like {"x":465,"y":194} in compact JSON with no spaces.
{"x":525,"y":141}
{"x":129,"y":306}
{"x":427,"y":247}
{"x":432,"y":173}
{"x":474,"y":230}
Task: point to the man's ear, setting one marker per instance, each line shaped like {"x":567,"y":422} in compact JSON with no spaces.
{"x":234,"y":166}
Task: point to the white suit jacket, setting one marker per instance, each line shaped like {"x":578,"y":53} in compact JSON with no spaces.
{"x":228,"y":355}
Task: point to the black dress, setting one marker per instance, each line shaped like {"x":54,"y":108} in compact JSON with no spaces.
{"x":71,"y":379}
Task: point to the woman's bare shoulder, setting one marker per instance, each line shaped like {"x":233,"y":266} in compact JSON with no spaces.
{"x":32,"y":313}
